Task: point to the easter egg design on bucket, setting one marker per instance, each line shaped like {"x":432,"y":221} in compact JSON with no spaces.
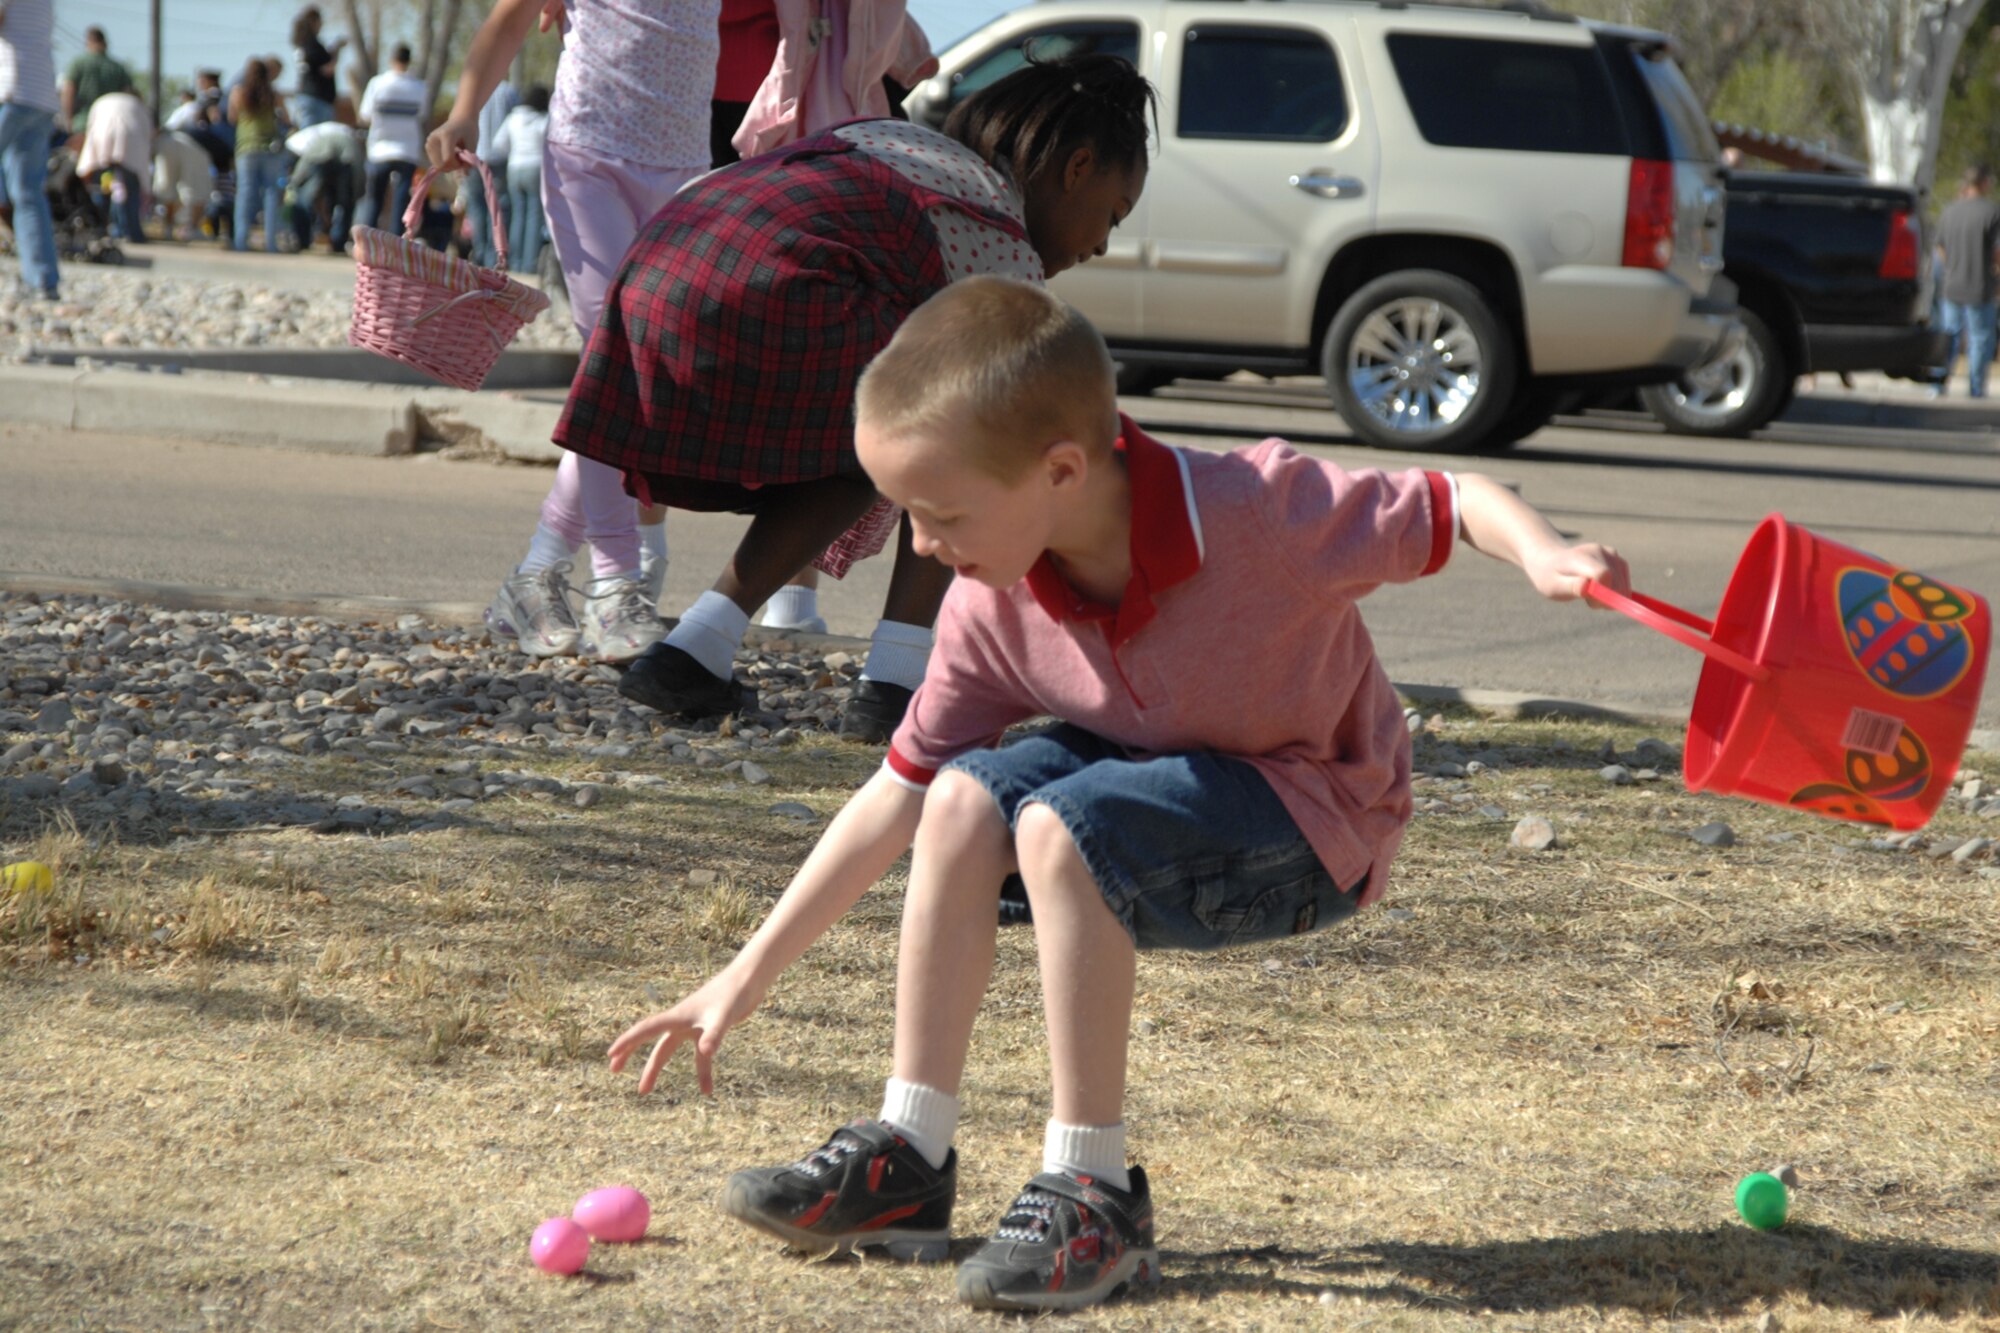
{"x":1902,"y":630}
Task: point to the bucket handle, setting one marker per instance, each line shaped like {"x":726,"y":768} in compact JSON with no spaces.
{"x":1672,"y":621}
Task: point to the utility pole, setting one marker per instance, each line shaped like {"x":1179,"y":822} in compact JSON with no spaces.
{"x":158,"y":81}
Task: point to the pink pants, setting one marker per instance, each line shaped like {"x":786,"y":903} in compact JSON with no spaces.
{"x":596,"y":206}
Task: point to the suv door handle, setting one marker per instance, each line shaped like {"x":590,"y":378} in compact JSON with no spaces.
{"x":1328,"y":186}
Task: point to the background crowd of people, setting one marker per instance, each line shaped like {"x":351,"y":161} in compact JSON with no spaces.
{"x":272,"y":153}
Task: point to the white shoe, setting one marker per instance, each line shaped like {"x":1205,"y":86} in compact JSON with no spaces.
{"x":653,"y":573}
{"x":619,"y":619}
{"x":534,"y":611}
{"x":814,"y":625}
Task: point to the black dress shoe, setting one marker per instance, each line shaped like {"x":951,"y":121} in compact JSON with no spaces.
{"x":874,"y":711}
{"x":670,"y":680}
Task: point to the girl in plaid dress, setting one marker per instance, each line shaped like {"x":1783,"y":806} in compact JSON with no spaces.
{"x":721,"y":374}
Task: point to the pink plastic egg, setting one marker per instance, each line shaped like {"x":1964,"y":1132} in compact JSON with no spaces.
{"x":559,"y":1246}
{"x":617,"y":1213}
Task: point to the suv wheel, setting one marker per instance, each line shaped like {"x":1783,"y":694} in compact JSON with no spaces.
{"x":1418,"y":360}
{"x":1738,"y":391}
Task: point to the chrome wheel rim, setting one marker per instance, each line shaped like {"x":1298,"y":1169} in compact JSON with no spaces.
{"x":1415,"y":365}
{"x":1717,"y":389}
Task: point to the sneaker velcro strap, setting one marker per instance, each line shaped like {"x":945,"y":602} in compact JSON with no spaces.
{"x":1097,"y":1197}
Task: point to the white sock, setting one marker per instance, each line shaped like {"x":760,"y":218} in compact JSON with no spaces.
{"x":653,"y":539}
{"x":710,"y":632}
{"x":926,"y":1117}
{"x":616,"y":576}
{"x":1097,"y":1151}
{"x":545,"y":550}
{"x":898,"y":654}
{"x":790,"y":605}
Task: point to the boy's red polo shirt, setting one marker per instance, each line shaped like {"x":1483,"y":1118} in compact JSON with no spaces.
{"x":1238,"y":634}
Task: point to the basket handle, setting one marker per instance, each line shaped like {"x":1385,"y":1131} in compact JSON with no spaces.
{"x":1683,"y":626}
{"x":420,"y":189}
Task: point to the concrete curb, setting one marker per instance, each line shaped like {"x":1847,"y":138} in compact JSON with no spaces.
{"x":517,"y":368}
{"x":218,"y":408}
{"x":182,"y":597}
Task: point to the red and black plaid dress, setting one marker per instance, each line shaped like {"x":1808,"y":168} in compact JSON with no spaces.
{"x":726,"y":356}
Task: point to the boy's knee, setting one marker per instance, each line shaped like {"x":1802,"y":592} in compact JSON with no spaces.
{"x":1042,"y":842}
{"x":956,"y":804}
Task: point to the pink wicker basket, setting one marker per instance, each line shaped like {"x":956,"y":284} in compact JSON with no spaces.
{"x":431,"y":310}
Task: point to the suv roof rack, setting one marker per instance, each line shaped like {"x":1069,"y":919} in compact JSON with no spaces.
{"x":1534,"y":9}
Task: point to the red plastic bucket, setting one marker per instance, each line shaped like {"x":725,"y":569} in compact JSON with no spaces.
{"x":1836,"y":682}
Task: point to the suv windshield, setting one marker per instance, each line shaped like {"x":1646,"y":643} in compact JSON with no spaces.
{"x":1468,"y":92}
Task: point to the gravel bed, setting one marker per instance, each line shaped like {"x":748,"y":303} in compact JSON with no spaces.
{"x":109,"y":307}
{"x":181,"y":722}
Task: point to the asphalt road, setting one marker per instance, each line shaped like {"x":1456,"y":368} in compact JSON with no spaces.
{"x":78,"y":505}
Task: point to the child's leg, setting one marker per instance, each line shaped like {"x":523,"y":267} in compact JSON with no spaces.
{"x":963,"y":850}
{"x":1088,"y":964}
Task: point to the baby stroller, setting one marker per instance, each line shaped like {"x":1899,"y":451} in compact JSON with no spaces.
{"x":82,"y":230}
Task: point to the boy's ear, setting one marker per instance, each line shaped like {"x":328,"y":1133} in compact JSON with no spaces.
{"x":1065,"y":463}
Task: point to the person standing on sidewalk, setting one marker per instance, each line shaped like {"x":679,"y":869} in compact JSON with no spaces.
{"x":485,"y":225}
{"x":628,"y":126}
{"x":90,"y":76}
{"x":260,"y":159}
{"x":317,"y":64}
{"x":1969,"y":244}
{"x":522,"y":138}
{"x":392,"y":107}
{"x":28,"y":104}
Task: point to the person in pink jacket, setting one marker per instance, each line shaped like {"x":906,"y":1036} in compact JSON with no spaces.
{"x":1129,"y":590}
{"x":831,"y":62}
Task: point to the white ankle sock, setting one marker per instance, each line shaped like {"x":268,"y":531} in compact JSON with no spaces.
{"x":603,"y":581}
{"x":898,"y":654}
{"x":926,"y":1117}
{"x":1097,"y":1151}
{"x":790,"y":605}
{"x":653,"y":539}
{"x":710,"y":632}
{"x":546,"y":549}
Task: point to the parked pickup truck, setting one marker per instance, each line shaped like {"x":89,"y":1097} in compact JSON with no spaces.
{"x":1831,"y":275}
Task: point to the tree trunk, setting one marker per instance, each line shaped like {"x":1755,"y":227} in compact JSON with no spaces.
{"x":366,"y":48}
{"x":439,"y":48}
{"x":1902,"y":73}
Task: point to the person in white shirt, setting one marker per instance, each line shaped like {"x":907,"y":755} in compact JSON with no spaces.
{"x":520,"y":138}
{"x":28,"y":104}
{"x":392,"y":107}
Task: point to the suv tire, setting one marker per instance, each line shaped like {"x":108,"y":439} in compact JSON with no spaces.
{"x":1733,"y":395}
{"x":1418,"y":360}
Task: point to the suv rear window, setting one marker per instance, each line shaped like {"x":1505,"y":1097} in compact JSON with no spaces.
{"x":1467,"y":92}
{"x":1690,"y":138}
{"x":1277,"y":84}
{"x":1051,"y":43}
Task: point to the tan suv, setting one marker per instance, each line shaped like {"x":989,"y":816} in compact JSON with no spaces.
{"x":1458,"y":215}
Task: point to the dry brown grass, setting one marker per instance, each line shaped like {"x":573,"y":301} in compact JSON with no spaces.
{"x":307,"y":1082}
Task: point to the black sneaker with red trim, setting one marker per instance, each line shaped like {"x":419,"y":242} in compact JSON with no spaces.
{"x":864,"y":1188}
{"x":1066,"y":1242}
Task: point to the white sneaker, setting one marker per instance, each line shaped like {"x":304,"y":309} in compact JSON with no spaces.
{"x":619,"y":619}
{"x":653,"y":573}
{"x":534,"y":611}
{"x":812,"y":625}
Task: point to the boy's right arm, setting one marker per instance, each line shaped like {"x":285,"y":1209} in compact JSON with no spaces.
{"x":493,"y":49}
{"x":875,"y":827}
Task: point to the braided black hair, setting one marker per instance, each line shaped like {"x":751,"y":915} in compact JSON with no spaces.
{"x":1033,"y":119}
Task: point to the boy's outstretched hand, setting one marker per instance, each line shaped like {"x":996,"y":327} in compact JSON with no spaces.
{"x":1559,"y":571}
{"x":701,"y":1018}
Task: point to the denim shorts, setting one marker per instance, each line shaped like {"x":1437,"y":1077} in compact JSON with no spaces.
{"x":1191,"y":851}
